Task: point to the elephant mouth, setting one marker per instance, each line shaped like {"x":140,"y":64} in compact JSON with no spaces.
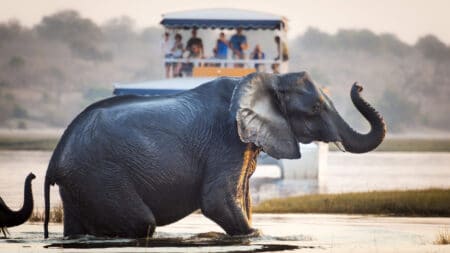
{"x":305,"y":140}
{"x":308,"y":140}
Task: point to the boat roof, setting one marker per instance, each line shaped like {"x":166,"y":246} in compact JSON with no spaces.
{"x":168,"y":84}
{"x":223,"y":18}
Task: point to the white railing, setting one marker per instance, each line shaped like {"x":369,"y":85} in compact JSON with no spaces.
{"x":224,"y":62}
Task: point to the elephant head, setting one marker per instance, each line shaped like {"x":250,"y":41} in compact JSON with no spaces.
{"x":275,"y":112}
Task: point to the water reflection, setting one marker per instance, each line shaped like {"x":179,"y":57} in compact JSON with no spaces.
{"x":213,"y":241}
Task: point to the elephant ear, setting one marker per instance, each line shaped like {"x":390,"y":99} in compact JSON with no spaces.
{"x":261,"y":117}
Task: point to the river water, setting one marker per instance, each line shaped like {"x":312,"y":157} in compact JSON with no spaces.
{"x":280,"y":232}
{"x":289,"y":232}
{"x":345,"y":173}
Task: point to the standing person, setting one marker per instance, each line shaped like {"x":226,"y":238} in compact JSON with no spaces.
{"x":238,"y":44}
{"x":177,"y":53}
{"x":166,"y":49}
{"x":194,"y":40}
{"x":258,"y":54}
{"x":283,"y":50}
{"x":222,"y":47}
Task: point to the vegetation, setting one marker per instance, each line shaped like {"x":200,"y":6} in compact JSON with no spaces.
{"x":68,"y":61}
{"x":432,"y":202}
{"x":411,"y":145}
{"x":56,"y":215}
{"x":442,"y":238}
{"x":19,"y":143}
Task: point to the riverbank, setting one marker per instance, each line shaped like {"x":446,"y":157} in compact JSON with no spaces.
{"x":47,"y":142}
{"x":414,"y":203}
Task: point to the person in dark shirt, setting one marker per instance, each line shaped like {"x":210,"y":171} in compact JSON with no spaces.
{"x":194,"y":40}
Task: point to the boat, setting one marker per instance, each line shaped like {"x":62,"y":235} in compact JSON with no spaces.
{"x":314,"y":160}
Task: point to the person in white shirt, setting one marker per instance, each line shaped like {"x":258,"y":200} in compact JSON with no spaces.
{"x":166,"y":49}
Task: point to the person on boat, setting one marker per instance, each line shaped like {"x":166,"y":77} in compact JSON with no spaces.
{"x":194,"y":40}
{"x":221,"y":47}
{"x":177,"y":53}
{"x":258,"y":54}
{"x":195,"y":53}
{"x":283,"y":50}
{"x":166,"y":49}
{"x":238,"y":44}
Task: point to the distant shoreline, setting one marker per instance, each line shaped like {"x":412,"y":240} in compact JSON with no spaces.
{"x":413,"y":203}
{"x":46,"y":140}
{"x":407,"y":203}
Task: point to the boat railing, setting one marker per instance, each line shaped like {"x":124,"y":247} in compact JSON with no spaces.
{"x":224,"y":63}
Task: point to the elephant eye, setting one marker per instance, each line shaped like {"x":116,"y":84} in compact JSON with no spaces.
{"x":317,"y":107}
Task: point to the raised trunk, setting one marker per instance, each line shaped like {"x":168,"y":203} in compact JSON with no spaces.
{"x":355,"y":142}
{"x":14,"y":218}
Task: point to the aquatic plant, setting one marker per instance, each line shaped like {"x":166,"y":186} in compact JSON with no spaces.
{"x":442,"y":238}
{"x":56,"y":215}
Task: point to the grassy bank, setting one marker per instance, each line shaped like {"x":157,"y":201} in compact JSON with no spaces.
{"x":425,"y":203}
{"x":19,"y":143}
{"x":432,"y":202}
{"x":8,"y":142}
{"x":56,"y":215}
{"x":411,"y":145}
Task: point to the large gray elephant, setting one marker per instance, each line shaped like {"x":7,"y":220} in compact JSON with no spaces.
{"x":127,"y":164}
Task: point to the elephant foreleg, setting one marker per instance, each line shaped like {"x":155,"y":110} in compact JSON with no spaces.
{"x":227,"y":201}
{"x":226,"y":212}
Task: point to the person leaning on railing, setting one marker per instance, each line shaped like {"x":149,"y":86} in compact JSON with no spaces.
{"x":195,"y":41}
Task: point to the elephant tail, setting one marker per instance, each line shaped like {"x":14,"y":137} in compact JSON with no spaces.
{"x":47,"y":205}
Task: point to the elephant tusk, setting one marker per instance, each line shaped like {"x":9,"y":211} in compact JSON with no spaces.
{"x":339,"y":146}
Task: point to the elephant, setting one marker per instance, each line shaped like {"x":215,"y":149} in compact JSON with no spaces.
{"x":130,"y":163}
{"x":10,"y":218}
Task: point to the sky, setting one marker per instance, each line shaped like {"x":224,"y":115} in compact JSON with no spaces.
{"x":408,"y":19}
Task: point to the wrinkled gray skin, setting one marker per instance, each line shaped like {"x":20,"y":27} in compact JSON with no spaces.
{"x":130,"y":163}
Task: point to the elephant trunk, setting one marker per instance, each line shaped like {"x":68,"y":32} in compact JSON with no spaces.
{"x":355,"y":142}
{"x":16,"y":218}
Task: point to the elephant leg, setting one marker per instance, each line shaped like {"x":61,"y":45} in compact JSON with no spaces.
{"x":142,"y":225}
{"x":124,"y":215}
{"x":105,"y":207}
{"x":72,"y":223}
{"x":226,"y":198}
{"x":226,"y":213}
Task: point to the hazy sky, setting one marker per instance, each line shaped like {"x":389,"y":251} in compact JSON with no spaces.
{"x":408,"y":19}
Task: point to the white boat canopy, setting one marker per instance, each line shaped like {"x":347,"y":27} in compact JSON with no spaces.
{"x":223,"y":18}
